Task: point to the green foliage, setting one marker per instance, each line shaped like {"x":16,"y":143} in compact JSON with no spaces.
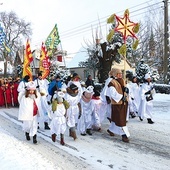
{"x":141,"y":70}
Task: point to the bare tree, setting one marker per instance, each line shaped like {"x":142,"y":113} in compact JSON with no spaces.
{"x":16,"y":30}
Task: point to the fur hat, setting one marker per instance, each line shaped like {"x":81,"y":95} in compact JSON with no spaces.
{"x":114,"y":72}
{"x":31,"y":86}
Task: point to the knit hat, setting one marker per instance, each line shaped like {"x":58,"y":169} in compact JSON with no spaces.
{"x":96,"y":93}
{"x":75,"y":75}
{"x":57,"y":77}
{"x":31,"y":86}
{"x":73,"y":87}
{"x":89,"y":89}
{"x":26,"y":78}
{"x":39,"y":74}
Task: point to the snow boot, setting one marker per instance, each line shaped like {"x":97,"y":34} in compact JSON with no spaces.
{"x":35,"y":139}
{"x":140,"y":118}
{"x":73,"y":133}
{"x":70,"y":132}
{"x":46,"y":127}
{"x":53,"y":137}
{"x":62,"y":139}
{"x":110,"y":133}
{"x":150,"y":121}
{"x":109,"y":119}
{"x":125,"y":139}
{"x":27,"y":136}
{"x":83,"y":134}
{"x":132,"y":115}
{"x":88,"y":131}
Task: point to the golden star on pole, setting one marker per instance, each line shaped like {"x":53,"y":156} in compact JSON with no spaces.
{"x":125,"y":27}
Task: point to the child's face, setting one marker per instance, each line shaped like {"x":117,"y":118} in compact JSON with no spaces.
{"x":31,"y":91}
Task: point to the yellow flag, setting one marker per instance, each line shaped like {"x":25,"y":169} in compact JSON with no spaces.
{"x":28,"y":58}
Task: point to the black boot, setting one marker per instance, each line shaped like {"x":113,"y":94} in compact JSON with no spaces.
{"x":62,"y":139}
{"x":132,"y":114}
{"x":125,"y":139}
{"x":150,"y":121}
{"x":27,"y":136}
{"x":46,"y":127}
{"x":140,"y":118}
{"x":88,"y":131}
{"x":35,"y":139}
{"x":53,"y":137}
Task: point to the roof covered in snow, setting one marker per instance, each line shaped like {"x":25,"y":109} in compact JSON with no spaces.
{"x":81,"y":55}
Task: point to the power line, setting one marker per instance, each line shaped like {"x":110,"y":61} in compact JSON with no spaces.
{"x":75,"y":32}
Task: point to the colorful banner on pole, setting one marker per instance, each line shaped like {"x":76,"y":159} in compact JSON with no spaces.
{"x":44,"y":62}
{"x":28,"y":58}
{"x":3,"y":40}
{"x":52,"y":40}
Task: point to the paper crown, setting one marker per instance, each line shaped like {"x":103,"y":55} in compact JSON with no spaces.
{"x":147,"y":76}
{"x":31,"y":86}
{"x":60,"y":94}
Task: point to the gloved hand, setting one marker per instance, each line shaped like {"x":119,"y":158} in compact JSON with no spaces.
{"x":148,"y":92}
{"x":79,"y":116}
{"x":124,"y":99}
{"x":126,"y":90}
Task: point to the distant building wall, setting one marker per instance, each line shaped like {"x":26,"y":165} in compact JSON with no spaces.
{"x":81,"y":71}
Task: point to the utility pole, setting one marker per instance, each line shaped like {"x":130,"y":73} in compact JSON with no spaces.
{"x":166,"y":41}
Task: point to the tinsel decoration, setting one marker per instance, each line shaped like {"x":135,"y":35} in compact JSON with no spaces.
{"x":111,"y":19}
{"x":126,"y":12}
{"x":110,"y":35}
{"x":135,"y":44}
{"x":136,"y":28}
{"x":122,"y":50}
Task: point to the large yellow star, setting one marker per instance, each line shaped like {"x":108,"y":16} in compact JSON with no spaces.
{"x":125,"y":27}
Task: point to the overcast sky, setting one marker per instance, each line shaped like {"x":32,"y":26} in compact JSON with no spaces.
{"x":75,"y":18}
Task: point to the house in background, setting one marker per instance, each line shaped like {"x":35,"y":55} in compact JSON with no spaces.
{"x":74,"y":67}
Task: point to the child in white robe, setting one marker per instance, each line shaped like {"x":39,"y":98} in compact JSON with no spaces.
{"x":29,"y":108}
{"x":97,"y":116}
{"x":58,"y":123}
{"x":85,"y":120}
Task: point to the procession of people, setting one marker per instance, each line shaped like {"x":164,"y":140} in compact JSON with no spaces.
{"x":78,"y":106}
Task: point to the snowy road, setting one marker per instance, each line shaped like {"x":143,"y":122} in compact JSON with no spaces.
{"x":149,"y":146}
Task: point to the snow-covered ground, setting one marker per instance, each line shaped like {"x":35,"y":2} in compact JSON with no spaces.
{"x":149,"y":146}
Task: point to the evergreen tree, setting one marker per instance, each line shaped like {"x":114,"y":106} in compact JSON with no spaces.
{"x":141,"y":70}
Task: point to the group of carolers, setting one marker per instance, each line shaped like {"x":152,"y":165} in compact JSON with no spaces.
{"x":8,"y":92}
{"x":81,"y":109}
